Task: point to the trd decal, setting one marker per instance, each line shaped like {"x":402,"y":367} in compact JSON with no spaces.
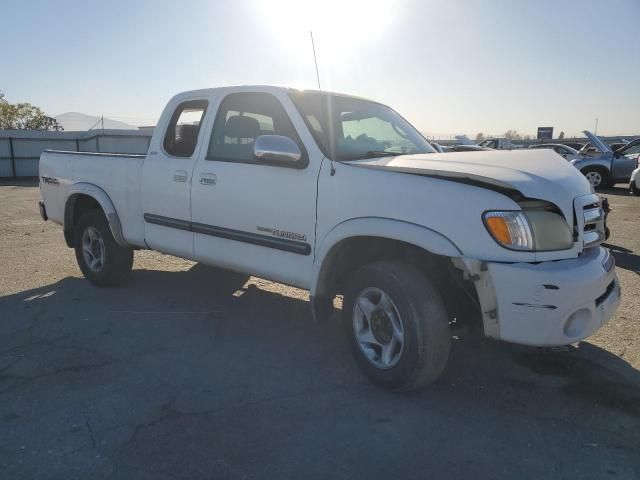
{"x":301,"y":237}
{"x":50,"y":180}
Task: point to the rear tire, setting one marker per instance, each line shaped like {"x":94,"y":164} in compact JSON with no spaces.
{"x":634,"y":190}
{"x":102,"y":261}
{"x":397,"y":324}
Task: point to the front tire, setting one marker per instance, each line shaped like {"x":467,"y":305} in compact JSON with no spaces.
{"x":597,"y":178}
{"x":633,"y":189}
{"x":397,"y":324}
{"x":102,"y":261}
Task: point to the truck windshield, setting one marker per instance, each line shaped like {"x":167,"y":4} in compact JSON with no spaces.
{"x":348,"y":128}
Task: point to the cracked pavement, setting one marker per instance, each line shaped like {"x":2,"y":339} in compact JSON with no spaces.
{"x":190,"y":372}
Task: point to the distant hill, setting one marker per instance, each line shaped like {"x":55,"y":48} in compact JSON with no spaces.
{"x":80,"y":122}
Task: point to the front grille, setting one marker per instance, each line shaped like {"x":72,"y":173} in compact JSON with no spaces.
{"x":593,"y":225}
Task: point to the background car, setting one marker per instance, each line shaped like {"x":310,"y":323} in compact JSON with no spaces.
{"x":593,"y":151}
{"x":575,"y":145}
{"x":607,"y":167}
{"x":562,"y":150}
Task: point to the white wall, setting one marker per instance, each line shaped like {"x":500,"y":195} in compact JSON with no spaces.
{"x":27,"y":145}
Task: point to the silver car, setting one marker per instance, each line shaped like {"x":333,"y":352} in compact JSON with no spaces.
{"x":563,"y":150}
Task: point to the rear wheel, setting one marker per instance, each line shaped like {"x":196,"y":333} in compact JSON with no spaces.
{"x":102,"y":261}
{"x":597,"y":178}
{"x":633,"y":189}
{"x":397,"y":324}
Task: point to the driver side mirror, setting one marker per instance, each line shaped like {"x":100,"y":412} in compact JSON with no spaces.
{"x":276,"y":150}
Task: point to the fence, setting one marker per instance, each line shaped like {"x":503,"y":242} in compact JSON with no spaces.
{"x":20,"y":149}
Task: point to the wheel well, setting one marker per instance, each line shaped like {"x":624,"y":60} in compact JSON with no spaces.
{"x":601,"y":169}
{"x":350,"y":254}
{"x":77,"y":205}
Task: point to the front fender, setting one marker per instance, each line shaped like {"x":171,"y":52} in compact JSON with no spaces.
{"x":83,"y":188}
{"x":412,"y":233}
{"x":592,"y":162}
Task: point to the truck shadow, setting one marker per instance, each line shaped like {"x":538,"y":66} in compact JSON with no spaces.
{"x":619,"y":190}
{"x":625,"y":258}
{"x":584,"y":372}
{"x":204,"y":316}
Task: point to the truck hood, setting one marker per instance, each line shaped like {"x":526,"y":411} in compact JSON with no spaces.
{"x":535,"y":174}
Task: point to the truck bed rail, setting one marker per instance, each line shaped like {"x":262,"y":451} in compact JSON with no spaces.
{"x":98,"y":154}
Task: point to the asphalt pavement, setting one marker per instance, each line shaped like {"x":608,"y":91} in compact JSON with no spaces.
{"x":189,"y":372}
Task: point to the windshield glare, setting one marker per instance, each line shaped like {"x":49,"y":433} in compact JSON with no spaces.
{"x":348,"y":128}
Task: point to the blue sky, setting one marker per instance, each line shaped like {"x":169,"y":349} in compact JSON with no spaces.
{"x":448,"y":66}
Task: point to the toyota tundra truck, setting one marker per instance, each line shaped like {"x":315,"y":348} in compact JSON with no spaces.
{"x":341,"y":196}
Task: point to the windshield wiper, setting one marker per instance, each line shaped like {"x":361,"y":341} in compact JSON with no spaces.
{"x":372,"y":154}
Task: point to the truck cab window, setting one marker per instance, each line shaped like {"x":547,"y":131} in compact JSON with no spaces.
{"x":241,"y":119}
{"x":182,"y":133}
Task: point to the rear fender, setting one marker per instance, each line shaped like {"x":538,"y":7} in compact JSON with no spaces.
{"x":78,"y":190}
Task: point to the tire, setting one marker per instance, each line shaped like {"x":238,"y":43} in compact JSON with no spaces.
{"x":102,"y":261}
{"x":422,"y":355}
{"x":597,"y":178}
{"x":634,"y":190}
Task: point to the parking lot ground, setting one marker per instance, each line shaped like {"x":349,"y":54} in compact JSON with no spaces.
{"x":188,"y":372}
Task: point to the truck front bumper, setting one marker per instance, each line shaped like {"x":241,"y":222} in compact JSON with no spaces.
{"x":551,"y":303}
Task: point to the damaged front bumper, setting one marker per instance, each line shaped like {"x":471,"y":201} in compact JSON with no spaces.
{"x":545,"y":304}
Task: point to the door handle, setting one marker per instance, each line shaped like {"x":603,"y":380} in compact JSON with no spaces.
{"x":209,"y":179}
{"x":180,"y":176}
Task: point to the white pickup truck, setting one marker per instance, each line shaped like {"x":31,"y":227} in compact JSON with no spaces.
{"x":341,"y":196}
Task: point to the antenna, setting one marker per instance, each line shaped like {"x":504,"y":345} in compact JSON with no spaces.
{"x":315,"y":60}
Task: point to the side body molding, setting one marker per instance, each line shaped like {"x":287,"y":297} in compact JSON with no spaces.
{"x":412,"y":233}
{"x":83,"y":188}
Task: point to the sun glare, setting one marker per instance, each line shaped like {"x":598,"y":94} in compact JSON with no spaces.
{"x":341,"y":28}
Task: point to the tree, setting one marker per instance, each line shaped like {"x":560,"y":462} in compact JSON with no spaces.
{"x":24,"y":116}
{"x":512,"y":135}
{"x":479,"y":137}
{"x":561,"y":136}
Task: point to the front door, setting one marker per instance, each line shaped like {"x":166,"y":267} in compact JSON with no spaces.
{"x":625,"y":161}
{"x":166,"y":180}
{"x":253,"y":217}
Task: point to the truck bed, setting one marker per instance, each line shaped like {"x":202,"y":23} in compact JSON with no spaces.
{"x":117,"y":174}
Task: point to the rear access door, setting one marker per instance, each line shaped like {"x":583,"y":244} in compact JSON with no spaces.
{"x":166,"y":177}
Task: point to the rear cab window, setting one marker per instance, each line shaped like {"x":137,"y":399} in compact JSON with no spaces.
{"x":181,"y":137}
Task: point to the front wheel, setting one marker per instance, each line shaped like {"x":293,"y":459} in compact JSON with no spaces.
{"x":596,"y":178}
{"x":103,"y":262}
{"x":633,"y":189}
{"x":398,"y":325}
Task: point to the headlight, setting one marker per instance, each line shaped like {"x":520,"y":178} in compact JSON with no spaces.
{"x":529,"y":229}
